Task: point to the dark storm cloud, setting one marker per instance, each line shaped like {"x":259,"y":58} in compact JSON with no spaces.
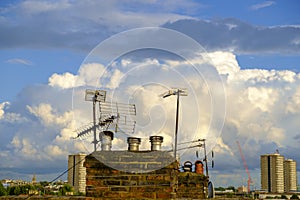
{"x":77,"y":24}
{"x":35,"y":36}
{"x":297,"y":137}
{"x":83,"y":25}
{"x":240,"y":37}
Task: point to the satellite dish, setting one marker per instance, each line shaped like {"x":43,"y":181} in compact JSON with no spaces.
{"x":211,"y":190}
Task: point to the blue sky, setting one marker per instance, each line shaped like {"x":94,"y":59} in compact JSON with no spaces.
{"x":261,"y":13}
{"x":43,"y":44}
{"x":28,"y":45}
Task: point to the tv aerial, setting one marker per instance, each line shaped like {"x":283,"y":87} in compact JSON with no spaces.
{"x":114,"y":117}
{"x":118,"y":116}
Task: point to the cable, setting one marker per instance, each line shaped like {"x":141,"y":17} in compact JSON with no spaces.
{"x":63,"y":173}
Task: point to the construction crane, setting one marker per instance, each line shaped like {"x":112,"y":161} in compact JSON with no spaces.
{"x":245,"y":165}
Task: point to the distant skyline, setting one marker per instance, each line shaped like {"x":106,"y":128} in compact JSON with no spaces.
{"x":254,"y":46}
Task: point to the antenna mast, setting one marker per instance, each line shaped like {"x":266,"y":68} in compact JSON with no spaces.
{"x":179,"y":92}
{"x":95,"y":96}
{"x":112,"y":115}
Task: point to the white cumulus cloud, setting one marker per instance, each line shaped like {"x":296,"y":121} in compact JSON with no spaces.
{"x":66,"y":80}
{"x":262,"y":109}
{"x":2,"y":108}
{"x":88,"y":74}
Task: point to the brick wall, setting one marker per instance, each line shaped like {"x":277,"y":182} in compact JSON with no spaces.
{"x":192,"y":185}
{"x":158,"y":180}
{"x":140,"y":175}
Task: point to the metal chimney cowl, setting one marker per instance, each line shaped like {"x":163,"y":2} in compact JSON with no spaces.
{"x":156,"y":142}
{"x":133,"y":143}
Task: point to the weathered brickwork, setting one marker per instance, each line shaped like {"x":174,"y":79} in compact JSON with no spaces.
{"x":160,"y":179}
{"x":192,"y":185}
{"x":105,"y":182}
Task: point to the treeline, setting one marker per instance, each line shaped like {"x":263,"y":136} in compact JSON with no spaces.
{"x":224,"y":189}
{"x":294,"y":196}
{"x":36,"y":188}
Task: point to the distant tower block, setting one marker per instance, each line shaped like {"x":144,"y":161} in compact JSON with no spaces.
{"x":77,"y":172}
{"x":290,"y":175}
{"x":272,"y":173}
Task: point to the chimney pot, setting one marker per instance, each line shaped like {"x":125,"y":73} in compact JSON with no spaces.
{"x":133,"y":143}
{"x":156,"y":142}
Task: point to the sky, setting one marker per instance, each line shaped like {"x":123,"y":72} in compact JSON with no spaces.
{"x":238,"y":59}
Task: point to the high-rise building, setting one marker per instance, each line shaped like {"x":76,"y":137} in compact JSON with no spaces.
{"x":278,"y":175}
{"x":77,"y":172}
{"x":290,"y":175}
{"x":272,"y":173}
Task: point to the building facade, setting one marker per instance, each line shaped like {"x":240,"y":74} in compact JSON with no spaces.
{"x":290,"y":175}
{"x":277,"y":175}
{"x":272,"y":173}
{"x":77,"y":172}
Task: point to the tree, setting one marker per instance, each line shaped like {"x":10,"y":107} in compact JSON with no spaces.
{"x":294,"y":196}
{"x":15,"y":190}
{"x":220,"y":189}
{"x":231,"y":188}
{"x":3,"y":191}
{"x":25,"y":188}
{"x":44,"y":183}
{"x":65,"y":188}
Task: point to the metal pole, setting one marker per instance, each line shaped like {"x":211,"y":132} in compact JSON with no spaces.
{"x":205,"y":158}
{"x":94,"y":121}
{"x":177,"y":92}
{"x":176,"y":127}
